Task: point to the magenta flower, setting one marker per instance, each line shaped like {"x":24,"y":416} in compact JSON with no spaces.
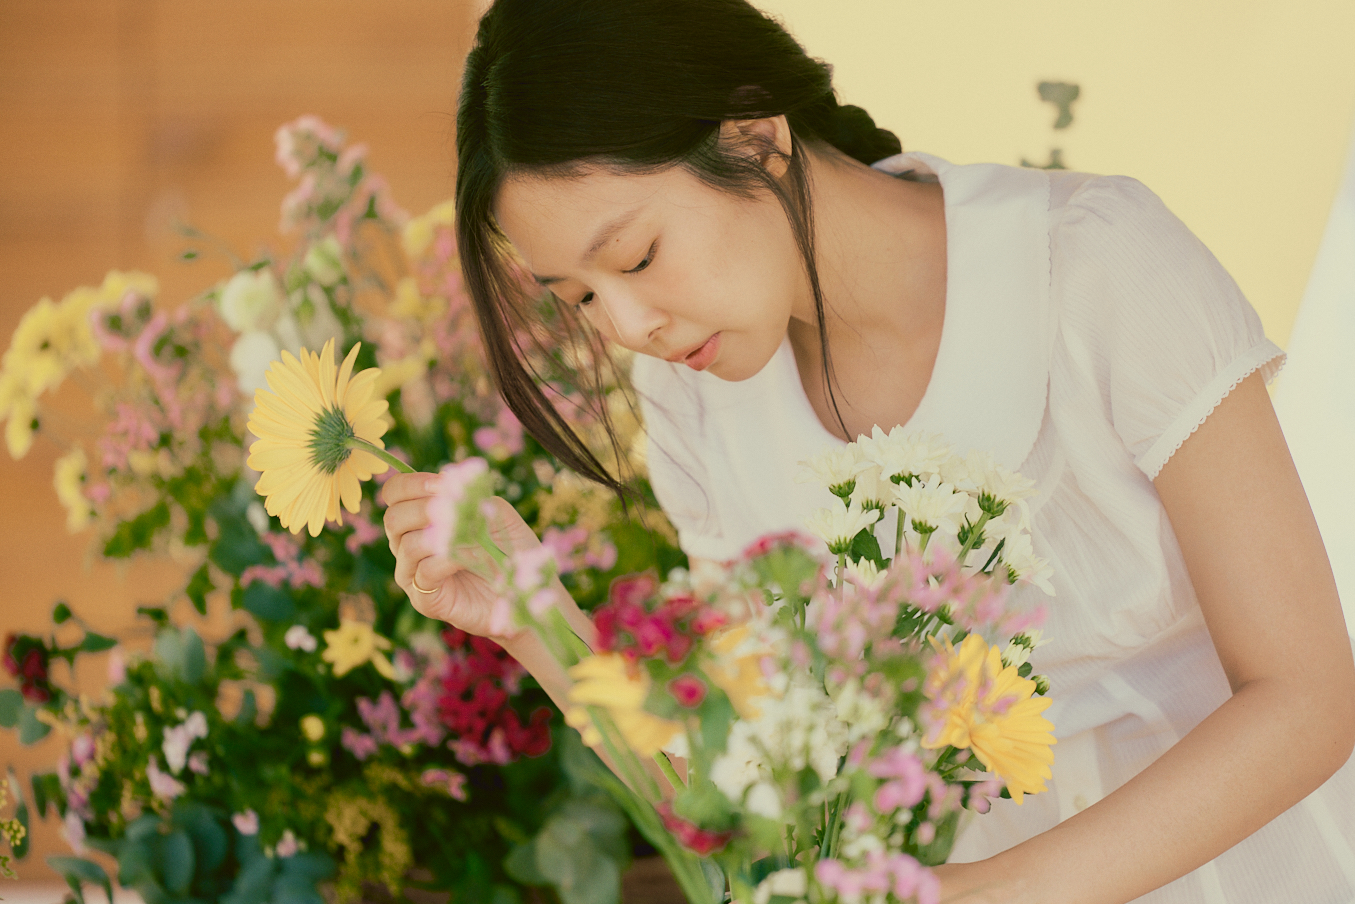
{"x":688,"y":690}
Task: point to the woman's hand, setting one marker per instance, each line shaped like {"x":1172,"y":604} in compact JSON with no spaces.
{"x":459,"y":594}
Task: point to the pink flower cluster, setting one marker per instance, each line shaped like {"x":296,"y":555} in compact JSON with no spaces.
{"x":636,"y":625}
{"x":291,"y":569}
{"x":444,"y":509}
{"x":333,"y":185}
{"x":575,"y":548}
{"x":883,"y":874}
{"x":383,"y":718}
{"x":478,"y":681}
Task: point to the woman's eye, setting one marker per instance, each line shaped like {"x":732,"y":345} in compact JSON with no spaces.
{"x":649,"y":259}
{"x":586,"y":300}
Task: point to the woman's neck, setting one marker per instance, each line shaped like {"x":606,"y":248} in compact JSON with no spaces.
{"x":881,"y":253}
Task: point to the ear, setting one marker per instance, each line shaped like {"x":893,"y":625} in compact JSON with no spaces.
{"x":766,"y":140}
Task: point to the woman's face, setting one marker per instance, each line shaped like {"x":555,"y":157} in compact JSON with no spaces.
{"x":663,"y":264}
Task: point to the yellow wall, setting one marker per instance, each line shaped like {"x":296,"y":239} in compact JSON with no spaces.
{"x":1236,"y":112}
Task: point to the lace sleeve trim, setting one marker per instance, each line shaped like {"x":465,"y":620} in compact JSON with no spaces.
{"x":1266,"y":357}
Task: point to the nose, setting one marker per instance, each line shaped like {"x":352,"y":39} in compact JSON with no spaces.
{"x":634,"y":322}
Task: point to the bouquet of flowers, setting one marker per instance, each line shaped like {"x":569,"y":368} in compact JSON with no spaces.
{"x":289,"y":724}
{"x":793,"y":728}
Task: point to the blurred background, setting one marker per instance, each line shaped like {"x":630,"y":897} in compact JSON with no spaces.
{"x":125,"y":118}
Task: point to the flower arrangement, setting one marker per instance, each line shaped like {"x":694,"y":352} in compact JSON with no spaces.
{"x":294,"y":729}
{"x":791,"y":728}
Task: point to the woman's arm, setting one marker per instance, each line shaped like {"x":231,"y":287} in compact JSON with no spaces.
{"x":1269,"y":600}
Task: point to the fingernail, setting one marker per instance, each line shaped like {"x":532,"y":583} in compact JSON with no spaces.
{"x":430,"y":484}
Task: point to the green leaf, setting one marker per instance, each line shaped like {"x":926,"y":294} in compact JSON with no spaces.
{"x":97,"y":643}
{"x":138,"y":533}
{"x":46,"y":790}
{"x":177,"y":862}
{"x":198,"y":587}
{"x":295,"y":890}
{"x":180,"y":654}
{"x":268,"y":603}
{"x":61,"y":613}
{"x":309,"y":866}
{"x":252,"y":883}
{"x":77,"y":870}
{"x":31,"y":731}
{"x":11,"y":707}
{"x":865,"y":546}
{"x":210,"y":842}
{"x":156,"y":614}
{"x":521,"y":865}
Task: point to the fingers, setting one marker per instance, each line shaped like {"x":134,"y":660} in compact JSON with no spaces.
{"x":404,"y":487}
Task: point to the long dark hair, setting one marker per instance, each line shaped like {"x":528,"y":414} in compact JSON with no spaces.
{"x":633,"y":86}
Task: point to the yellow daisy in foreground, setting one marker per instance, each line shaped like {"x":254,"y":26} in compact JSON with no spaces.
{"x":736,"y":669}
{"x":355,"y":644}
{"x":319,"y":436}
{"x":990,"y":709}
{"x":605,"y":680}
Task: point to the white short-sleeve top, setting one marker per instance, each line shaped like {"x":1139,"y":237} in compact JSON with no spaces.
{"x":1087,"y":334}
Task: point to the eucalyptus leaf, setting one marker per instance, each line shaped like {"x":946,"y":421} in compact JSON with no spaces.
{"x":252,"y":883}
{"x":77,"y":870}
{"x":61,"y":613}
{"x":177,"y":862}
{"x":97,"y":643}
{"x":11,"y":707}
{"x":31,"y":730}
{"x":268,"y":603}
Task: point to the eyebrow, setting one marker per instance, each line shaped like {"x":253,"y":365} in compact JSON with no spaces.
{"x":604,"y":235}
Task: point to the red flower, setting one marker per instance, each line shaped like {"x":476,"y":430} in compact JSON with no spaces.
{"x":687,"y":690}
{"x":26,"y":659}
{"x":479,"y":682}
{"x":701,"y":841}
{"x":633,"y":590}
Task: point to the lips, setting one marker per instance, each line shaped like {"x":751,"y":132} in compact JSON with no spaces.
{"x":700,"y":357}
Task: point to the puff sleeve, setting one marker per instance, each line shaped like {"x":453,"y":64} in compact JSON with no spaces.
{"x":1166,"y":330}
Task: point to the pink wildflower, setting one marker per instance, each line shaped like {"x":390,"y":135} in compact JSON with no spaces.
{"x":163,"y":785}
{"x":701,"y":841}
{"x":246,"y":823}
{"x":455,"y":782}
{"x":453,"y":482}
{"x":359,"y":744}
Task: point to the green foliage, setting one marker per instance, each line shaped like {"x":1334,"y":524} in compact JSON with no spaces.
{"x":11,"y":707}
{"x":77,"y":871}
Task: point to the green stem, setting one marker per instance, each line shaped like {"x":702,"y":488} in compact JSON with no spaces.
{"x":973,"y":537}
{"x":666,"y":766}
{"x":898,"y":534}
{"x":356,"y":442}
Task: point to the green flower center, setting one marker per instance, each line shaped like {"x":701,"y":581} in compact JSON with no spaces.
{"x":329,"y":440}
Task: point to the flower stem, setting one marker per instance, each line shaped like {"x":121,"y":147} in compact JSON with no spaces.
{"x":666,"y":766}
{"x":360,"y":444}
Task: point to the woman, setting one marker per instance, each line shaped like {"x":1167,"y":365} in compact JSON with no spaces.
{"x":681,"y":177}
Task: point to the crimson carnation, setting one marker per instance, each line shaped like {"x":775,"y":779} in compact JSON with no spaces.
{"x":475,"y":703}
{"x":637,"y":625}
{"x":26,"y":658}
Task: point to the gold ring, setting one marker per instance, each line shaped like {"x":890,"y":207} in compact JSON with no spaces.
{"x":414,"y":579}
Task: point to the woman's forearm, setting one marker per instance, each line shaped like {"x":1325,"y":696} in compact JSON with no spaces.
{"x":1261,"y":752}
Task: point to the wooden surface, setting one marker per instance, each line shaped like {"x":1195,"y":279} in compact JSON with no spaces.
{"x":121,"y":117}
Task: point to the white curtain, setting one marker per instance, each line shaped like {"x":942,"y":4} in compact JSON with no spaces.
{"x":1315,"y":393}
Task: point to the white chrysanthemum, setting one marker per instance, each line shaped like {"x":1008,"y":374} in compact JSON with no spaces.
{"x":790,"y":883}
{"x":898,"y":452}
{"x":251,"y":300}
{"x":831,"y":467}
{"x":940,"y":507}
{"x":764,"y":800}
{"x":1004,"y":485}
{"x":740,"y":766}
{"x":866,"y":573}
{"x":1021,"y":646}
{"x":872,"y":490}
{"x":1019,"y":555}
{"x":837,"y":526}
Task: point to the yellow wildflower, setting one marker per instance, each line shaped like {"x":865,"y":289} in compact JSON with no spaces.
{"x":22,"y":413}
{"x":311,"y":428}
{"x":418,"y":232}
{"x":313,"y":727}
{"x":69,"y":477}
{"x":605,"y":680}
{"x":990,"y":709}
{"x":356,"y":644}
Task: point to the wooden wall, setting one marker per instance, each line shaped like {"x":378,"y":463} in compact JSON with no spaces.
{"x":121,"y":117}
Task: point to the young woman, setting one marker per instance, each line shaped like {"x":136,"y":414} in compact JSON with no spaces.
{"x":679,"y":174}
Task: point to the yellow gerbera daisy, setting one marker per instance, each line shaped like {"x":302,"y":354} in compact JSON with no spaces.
{"x":737,"y":670}
{"x":319,"y":436}
{"x":355,"y":644}
{"x":605,"y":680}
{"x":990,"y":709}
